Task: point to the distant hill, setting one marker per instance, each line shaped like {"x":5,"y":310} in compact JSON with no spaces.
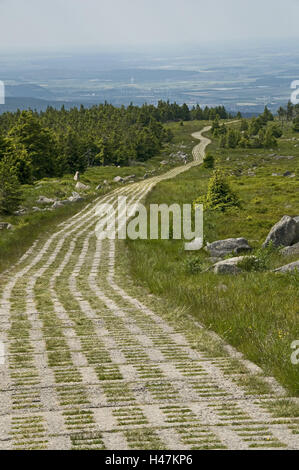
{"x":12,"y":104}
{"x":28,"y":90}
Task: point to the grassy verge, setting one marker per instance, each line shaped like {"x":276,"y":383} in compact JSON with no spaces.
{"x":256,"y":312}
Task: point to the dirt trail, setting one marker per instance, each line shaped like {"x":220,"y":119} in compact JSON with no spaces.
{"x":199,"y":150}
{"x":89,"y":365}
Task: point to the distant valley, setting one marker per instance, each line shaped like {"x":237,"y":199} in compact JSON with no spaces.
{"x":240,"y":79}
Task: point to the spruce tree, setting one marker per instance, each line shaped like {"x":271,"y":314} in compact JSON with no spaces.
{"x":10,"y":194}
{"x":219,"y":196}
{"x":296,"y":124}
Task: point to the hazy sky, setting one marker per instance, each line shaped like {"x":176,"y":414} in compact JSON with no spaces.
{"x":67,"y":23}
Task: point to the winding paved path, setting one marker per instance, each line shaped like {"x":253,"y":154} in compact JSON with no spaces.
{"x":90,"y":365}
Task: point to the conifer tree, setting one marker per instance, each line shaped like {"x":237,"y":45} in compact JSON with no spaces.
{"x":219,"y":196}
{"x":10,"y":194}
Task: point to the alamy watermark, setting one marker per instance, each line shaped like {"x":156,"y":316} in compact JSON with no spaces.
{"x":134,"y":221}
{"x":295,"y":93}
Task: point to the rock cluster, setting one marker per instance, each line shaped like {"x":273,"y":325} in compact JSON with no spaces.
{"x":284,"y":234}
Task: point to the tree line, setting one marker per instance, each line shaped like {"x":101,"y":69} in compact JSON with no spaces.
{"x":35,"y":145}
{"x":258,"y":132}
{"x":289,"y":115}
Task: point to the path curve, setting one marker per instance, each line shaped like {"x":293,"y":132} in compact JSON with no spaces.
{"x":91,"y":365}
{"x":199,"y":150}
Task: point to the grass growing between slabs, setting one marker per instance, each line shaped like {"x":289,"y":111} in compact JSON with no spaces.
{"x":33,"y":225}
{"x":257,"y":312}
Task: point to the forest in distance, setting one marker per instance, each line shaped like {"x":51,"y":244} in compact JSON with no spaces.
{"x":56,"y":142}
{"x":36,"y":145}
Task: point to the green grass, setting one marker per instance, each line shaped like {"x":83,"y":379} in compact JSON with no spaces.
{"x":257,"y":312}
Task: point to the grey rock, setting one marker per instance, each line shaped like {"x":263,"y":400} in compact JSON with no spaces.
{"x":214,"y":260}
{"x":5,"y":226}
{"x":20,"y":212}
{"x":129,"y":178}
{"x":290,"y":250}
{"x":118,"y":179}
{"x":221,"y":248}
{"x":45,"y":200}
{"x":75,"y":198}
{"x":297,"y":230}
{"x":288,"y":268}
{"x":58,"y":204}
{"x":228,"y":266}
{"x":81,"y":186}
{"x":284,"y":233}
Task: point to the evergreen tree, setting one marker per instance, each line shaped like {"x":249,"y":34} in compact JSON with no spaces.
{"x":18,"y":157}
{"x":290,"y":111}
{"x":222,"y":142}
{"x":254,"y":127}
{"x":281,"y":115}
{"x":73,"y":151}
{"x":185,"y":113}
{"x":276,"y":130}
{"x":296,"y":124}
{"x":233,"y":138}
{"x":209,"y":161}
{"x":219,"y":196}
{"x":244,"y":125}
{"x":38,"y":142}
{"x":215,"y":126}
{"x":267,"y":116}
{"x":269,"y":140}
{"x":10,"y":195}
